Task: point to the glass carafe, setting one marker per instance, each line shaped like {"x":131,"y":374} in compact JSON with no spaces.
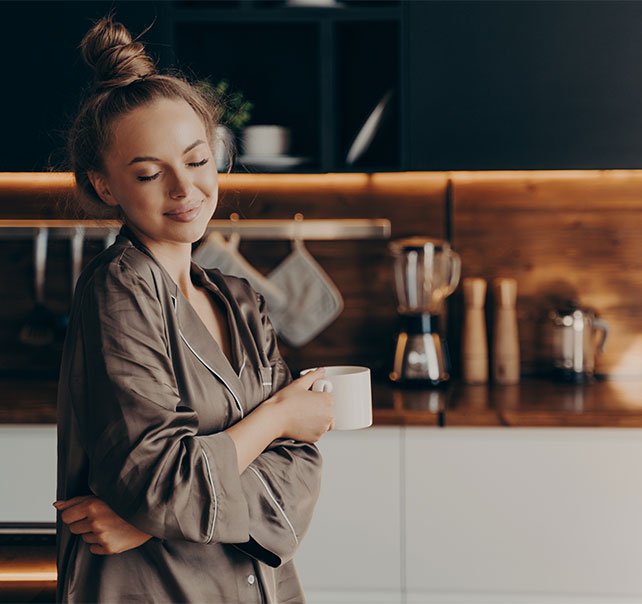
{"x":427,"y":271}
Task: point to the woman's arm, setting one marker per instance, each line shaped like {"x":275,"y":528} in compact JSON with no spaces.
{"x":293,"y":412}
{"x":108,"y":533}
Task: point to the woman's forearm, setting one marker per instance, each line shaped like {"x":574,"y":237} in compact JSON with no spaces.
{"x":254,"y":433}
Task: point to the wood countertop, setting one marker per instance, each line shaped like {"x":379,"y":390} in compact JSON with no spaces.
{"x":533,"y":403}
{"x":27,"y":573}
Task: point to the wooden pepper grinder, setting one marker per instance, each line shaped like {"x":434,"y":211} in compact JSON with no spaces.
{"x":506,"y":361}
{"x":474,"y":345}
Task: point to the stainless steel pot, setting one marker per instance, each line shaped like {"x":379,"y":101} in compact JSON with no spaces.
{"x":577,"y":337}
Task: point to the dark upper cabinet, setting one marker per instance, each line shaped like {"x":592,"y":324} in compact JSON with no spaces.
{"x":524,"y":85}
{"x":43,"y":73}
{"x":319,"y":71}
{"x":475,"y":85}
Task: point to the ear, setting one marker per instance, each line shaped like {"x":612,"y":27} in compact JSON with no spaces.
{"x":99,"y":182}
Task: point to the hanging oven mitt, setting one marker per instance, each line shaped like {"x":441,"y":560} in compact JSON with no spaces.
{"x":313,"y":301}
{"x":215,"y":252}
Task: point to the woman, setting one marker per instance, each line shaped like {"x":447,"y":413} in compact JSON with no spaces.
{"x":186,"y":465}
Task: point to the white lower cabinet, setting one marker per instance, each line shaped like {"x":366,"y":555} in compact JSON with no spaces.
{"x":352,"y":552}
{"x":27,"y":473}
{"x":520,"y":515}
{"x":440,"y":516}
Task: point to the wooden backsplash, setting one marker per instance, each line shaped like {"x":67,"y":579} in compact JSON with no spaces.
{"x":560,"y":234}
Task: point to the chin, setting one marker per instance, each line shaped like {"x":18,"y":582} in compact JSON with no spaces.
{"x":190,"y":235}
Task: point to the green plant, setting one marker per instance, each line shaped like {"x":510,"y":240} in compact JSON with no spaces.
{"x":234,"y":109}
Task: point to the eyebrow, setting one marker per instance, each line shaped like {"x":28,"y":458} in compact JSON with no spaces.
{"x":150,"y":158}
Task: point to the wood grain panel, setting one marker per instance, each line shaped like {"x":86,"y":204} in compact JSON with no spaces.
{"x":362,"y":270}
{"x":561,"y":235}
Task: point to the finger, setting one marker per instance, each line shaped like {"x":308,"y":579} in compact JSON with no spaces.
{"x":91,"y":538}
{"x":81,"y":526}
{"x":306,"y":381}
{"x":98,"y":550}
{"x":65,"y":504}
{"x":75,"y":513}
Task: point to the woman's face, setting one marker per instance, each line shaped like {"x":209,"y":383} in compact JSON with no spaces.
{"x":158,"y":165}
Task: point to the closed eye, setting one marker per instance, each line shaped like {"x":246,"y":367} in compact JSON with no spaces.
{"x":199,"y":163}
{"x":155,"y":176}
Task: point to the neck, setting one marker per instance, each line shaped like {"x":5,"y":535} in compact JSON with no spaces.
{"x":175,"y":257}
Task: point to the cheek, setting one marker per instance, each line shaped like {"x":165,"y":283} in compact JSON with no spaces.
{"x":209,"y":184}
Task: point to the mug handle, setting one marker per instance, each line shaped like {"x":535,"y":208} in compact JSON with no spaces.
{"x":603,"y":326}
{"x":322,"y":386}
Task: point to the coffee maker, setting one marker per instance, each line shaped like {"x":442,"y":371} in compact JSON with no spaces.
{"x":426,"y":272}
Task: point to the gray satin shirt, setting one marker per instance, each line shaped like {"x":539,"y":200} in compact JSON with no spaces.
{"x":144,"y":397}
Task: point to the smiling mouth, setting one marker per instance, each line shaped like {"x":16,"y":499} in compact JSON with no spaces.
{"x":184,"y":210}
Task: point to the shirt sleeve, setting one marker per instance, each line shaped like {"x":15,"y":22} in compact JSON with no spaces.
{"x":282,"y":484}
{"x":145,"y":458}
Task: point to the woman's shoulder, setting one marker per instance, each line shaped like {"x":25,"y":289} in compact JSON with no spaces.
{"x":120,"y":265}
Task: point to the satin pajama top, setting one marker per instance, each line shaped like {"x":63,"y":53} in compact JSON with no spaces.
{"x":144,"y":396}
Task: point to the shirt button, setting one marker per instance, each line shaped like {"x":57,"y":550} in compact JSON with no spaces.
{"x":251,"y":579}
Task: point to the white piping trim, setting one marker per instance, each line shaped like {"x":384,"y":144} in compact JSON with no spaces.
{"x":236,"y":398}
{"x":242,"y":367}
{"x":209,"y":475}
{"x":269,"y":492}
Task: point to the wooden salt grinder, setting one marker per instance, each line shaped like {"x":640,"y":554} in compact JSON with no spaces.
{"x":506,"y":360}
{"x":474,"y":344}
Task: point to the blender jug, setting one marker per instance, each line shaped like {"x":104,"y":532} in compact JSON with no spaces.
{"x":426,"y":272}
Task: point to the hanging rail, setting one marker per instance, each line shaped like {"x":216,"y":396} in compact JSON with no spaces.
{"x":298,"y":227}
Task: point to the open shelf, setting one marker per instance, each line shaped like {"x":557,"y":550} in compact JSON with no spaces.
{"x":318,"y":71}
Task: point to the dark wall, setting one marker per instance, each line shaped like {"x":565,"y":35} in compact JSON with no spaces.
{"x":43,"y":72}
{"x":525,"y":85}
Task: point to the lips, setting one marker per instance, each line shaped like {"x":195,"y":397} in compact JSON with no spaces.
{"x":187,"y":213}
{"x":184,"y":209}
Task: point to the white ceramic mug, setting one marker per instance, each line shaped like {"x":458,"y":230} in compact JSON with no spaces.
{"x":350,"y":387}
{"x":266,"y":140}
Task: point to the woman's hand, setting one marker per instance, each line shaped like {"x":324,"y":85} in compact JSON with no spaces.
{"x":304,"y":415}
{"x":99,"y":525}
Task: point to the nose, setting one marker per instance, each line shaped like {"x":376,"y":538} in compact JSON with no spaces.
{"x":181,"y":185}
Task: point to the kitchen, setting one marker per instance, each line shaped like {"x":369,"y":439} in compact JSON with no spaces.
{"x":507,"y":134}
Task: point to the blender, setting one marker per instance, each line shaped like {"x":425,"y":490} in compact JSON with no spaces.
{"x":426,"y":272}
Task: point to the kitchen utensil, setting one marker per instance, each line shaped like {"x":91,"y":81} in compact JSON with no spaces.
{"x":223,"y":147}
{"x":474,"y":341}
{"x":110,"y":237}
{"x":77,"y":240}
{"x":272,"y":162}
{"x":426,"y":273}
{"x":351,"y":394}
{"x":314,"y":301}
{"x":576,"y":336}
{"x":506,"y":359}
{"x":39,"y":326}
{"x":368,"y":130}
{"x":266,"y":140}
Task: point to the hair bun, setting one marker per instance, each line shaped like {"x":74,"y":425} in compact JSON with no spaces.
{"x":117,"y":60}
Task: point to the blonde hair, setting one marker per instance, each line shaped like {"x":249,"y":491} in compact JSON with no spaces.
{"x":125,"y":78}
